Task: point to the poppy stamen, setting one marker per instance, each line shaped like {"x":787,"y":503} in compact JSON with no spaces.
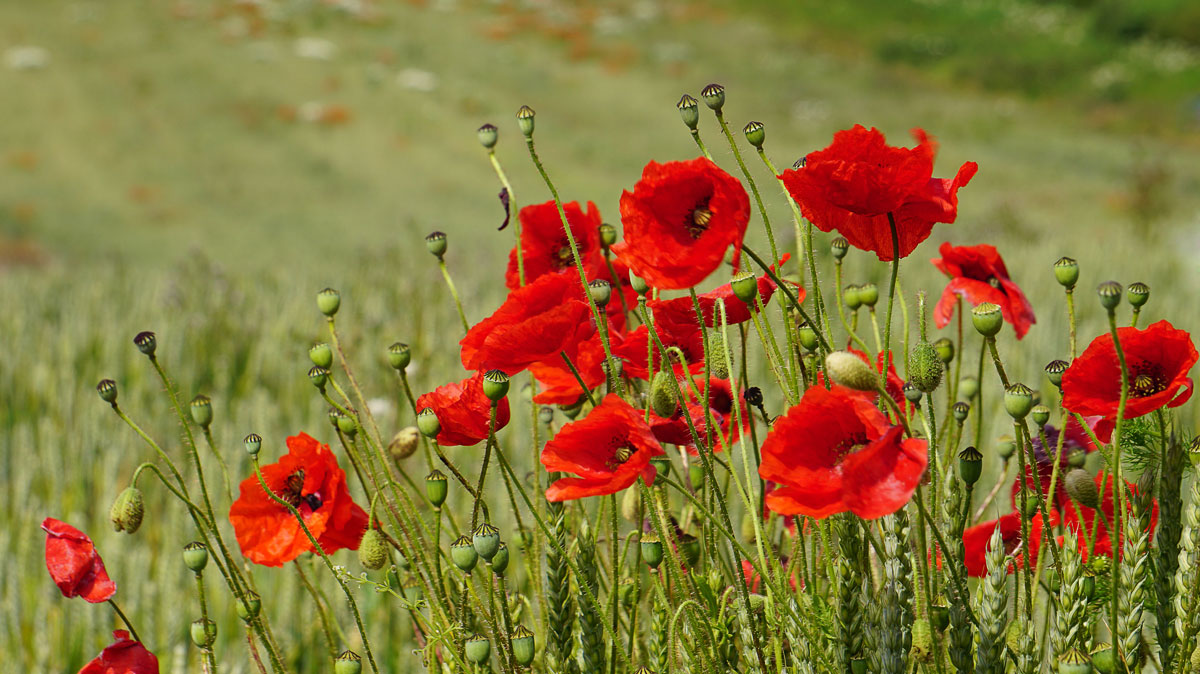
{"x":697,"y":220}
{"x":1147,"y":384}
{"x":292,"y":487}
{"x":620,"y":456}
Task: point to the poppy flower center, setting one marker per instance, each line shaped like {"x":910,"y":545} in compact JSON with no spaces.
{"x":292,"y":492}
{"x":620,"y":456}
{"x":562,"y":256}
{"x":696,"y":221}
{"x":850,"y":445}
{"x":994,"y":282}
{"x":1147,"y":381}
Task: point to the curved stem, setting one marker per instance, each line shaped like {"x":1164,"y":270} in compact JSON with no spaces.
{"x":124,"y":619}
{"x":762,"y":210}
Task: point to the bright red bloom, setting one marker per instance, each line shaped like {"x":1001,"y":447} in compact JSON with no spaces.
{"x":536,"y":322}
{"x":309,"y":478}
{"x":608,"y":449}
{"x":681,"y":309}
{"x":123,"y":656}
{"x":74,"y":564}
{"x":1158,"y":358}
{"x":679,"y":220}
{"x":978,"y":274}
{"x":853,"y":184}
{"x":976,"y":539}
{"x":463,"y":411}
{"x":835,"y":452}
{"x":680,"y":331}
{"x":545,"y":248}
{"x":1082,"y":518}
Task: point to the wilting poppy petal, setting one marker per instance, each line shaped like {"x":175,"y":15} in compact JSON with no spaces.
{"x":74,"y":564}
{"x":978,"y":274}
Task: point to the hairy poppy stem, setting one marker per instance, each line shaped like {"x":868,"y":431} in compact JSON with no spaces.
{"x":210,"y":660}
{"x":737,"y":154}
{"x":1118,"y":484}
{"x":788,"y":293}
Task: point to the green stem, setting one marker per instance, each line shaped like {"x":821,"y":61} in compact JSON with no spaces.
{"x":124,"y":619}
{"x":514,"y":213}
{"x":454,"y":293}
{"x":737,"y":154}
{"x":207,"y":651}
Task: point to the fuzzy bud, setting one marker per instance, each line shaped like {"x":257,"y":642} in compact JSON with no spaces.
{"x":462,"y":553}
{"x":486,"y":539}
{"x":1066,"y":271}
{"x":329,"y":301}
{"x":321,"y":355}
{"x":525,"y":117}
{"x":436,"y":244}
{"x":1082,"y":487}
{"x":523,"y":646}
{"x":478,"y":649}
{"x":146,"y":342}
{"x":107,"y":389}
{"x":1055,"y":370}
{"x":662,"y":394}
{"x":348,"y":662}
{"x":756,"y":133}
{"x":252,"y":443}
{"x":1110,"y":294}
{"x":868,"y":294}
{"x":404,"y":443}
{"x":436,"y":488}
{"x":987,"y":319}
{"x":195,"y":556}
{"x":373,"y":550}
{"x":925,"y":367}
{"x":1006,"y":447}
{"x":839,"y":247}
{"x":849,"y":370}
{"x":201,"y":409}
{"x":428,"y":424}
{"x":945,"y":350}
{"x":970,"y":465}
{"x":127,"y":511}
{"x":714,"y":96}
{"x":745,"y":287}
{"x":487,"y":134}
{"x":1139,"y":294}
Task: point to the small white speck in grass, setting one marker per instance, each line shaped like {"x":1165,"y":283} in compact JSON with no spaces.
{"x":417,"y":79}
{"x":315,"y":48}
{"x":26,"y":57}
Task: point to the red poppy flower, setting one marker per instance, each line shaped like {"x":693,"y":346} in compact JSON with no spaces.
{"x":835,"y":452}
{"x":309,"y":478}
{"x":544,"y":245}
{"x":608,"y":449}
{"x":536,"y":322}
{"x":463,"y":411}
{"x":1158,"y":358}
{"x":977,"y":538}
{"x":894,"y":385}
{"x":74,"y":564}
{"x":1083,"y":519}
{"x":753,"y":580}
{"x":679,"y":220}
{"x":681,"y":331}
{"x":979,"y":275}
{"x":853,"y":184}
{"x":123,"y":656}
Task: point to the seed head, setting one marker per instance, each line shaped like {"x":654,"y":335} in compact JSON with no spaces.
{"x":107,"y":389}
{"x":478,"y":649}
{"x":428,"y":424}
{"x":987,"y":319}
{"x":487,"y":134}
{"x":321,"y":355}
{"x":436,"y":488}
{"x":689,"y":110}
{"x":462,"y":553}
{"x":807,"y":337}
{"x":1041,"y":415}
{"x":970,"y":465}
{"x":756,"y":133}
{"x":1110,"y":294}
{"x":1066,"y":271}
{"x":399,"y":356}
{"x":201,"y":409}
{"x":945,"y":350}
{"x":714,"y":96}
{"x":601,"y":292}
{"x":1018,"y":400}
{"x":348,"y":662}
{"x":495,"y":385}
{"x":652,"y":550}
{"x":195,"y":556}
{"x":839,"y":247}
{"x":435,"y":243}
{"x":868,"y":294}
{"x":249,"y":607}
{"x":146,"y":342}
{"x":1055,"y":370}
{"x":203,"y":632}
{"x":500,"y":559}
{"x":525,"y":120}
{"x":608,"y":235}
{"x":745,"y":287}
{"x":328,"y":301}
{"x":1139,"y":294}
{"x":523,"y":646}
{"x":253,"y":444}
{"x":486,"y":539}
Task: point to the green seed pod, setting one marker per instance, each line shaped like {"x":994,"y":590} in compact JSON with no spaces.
{"x":987,"y":319}
{"x":689,"y":111}
{"x":373,"y":550}
{"x":939,"y":617}
{"x":839,"y":247}
{"x":321,"y":355}
{"x":1139,"y":294}
{"x":960,"y":411}
{"x":601,"y":292}
{"x":249,"y":607}
{"x":608,"y":235}
{"x":399,"y":356}
{"x":849,"y":370}
{"x":436,"y":244}
{"x":525,"y":118}
{"x":968,"y":388}
{"x":462,"y":553}
{"x":436,"y":488}
{"x":1077,"y":458}
{"x":714,"y":96}
{"x":252,"y":443}
{"x":662,"y":394}
{"x":523,"y":646}
{"x":107,"y":389}
{"x":328,"y":301}
{"x":945,"y":350}
{"x":195,"y":556}
{"x":319,"y":376}
{"x":488,"y":134}
{"x":201,"y":410}
{"x":146,"y":342}
{"x":970,"y":465}
{"x":1018,"y":400}
{"x":851,"y":298}
{"x":1102,"y":658}
{"x":478,"y":649}
{"x":1110,"y":294}
{"x":428,"y":424}
{"x":925,"y":367}
{"x":1027,"y":502}
{"x":1006,"y":448}
{"x":911,"y":393}
{"x":500,"y":560}
{"x":1055,"y":370}
{"x":127,"y":511}
{"x":486,"y":539}
{"x":662,"y":465}
{"x":1041,"y":415}
{"x":689,"y":549}
{"x":807,"y":337}
{"x":348,"y":662}
{"x":1081,"y":487}
{"x":745,"y":287}
{"x":347,"y":424}
{"x":1074,"y":662}
{"x":652,"y":550}
{"x":1066,"y":271}
{"x":868,"y":294}
{"x":203,"y":632}
{"x":495,"y":385}
{"x":756,"y":133}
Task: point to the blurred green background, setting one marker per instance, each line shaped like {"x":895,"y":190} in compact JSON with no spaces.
{"x":202,"y":168}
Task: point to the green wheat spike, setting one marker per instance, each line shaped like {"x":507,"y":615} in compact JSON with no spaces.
{"x":1132,"y":597}
{"x":1166,"y":559}
{"x":591,"y":634}
{"x":560,"y":645}
{"x":1071,"y":629}
{"x":849,"y":614}
{"x":993,"y":613}
{"x":1187,"y":579}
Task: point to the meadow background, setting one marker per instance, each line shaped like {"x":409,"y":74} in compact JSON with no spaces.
{"x":202,"y":168}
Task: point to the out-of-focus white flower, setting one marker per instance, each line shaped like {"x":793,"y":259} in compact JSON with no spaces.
{"x":315,"y":48}
{"x":26,"y":57}
{"x":380,"y":407}
{"x":417,"y":79}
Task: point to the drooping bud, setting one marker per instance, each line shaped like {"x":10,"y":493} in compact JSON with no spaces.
{"x":107,"y":389}
{"x":127,"y":511}
{"x":495,"y":385}
{"x":987,"y":319}
{"x":348,"y":662}
{"x":968,"y":388}
{"x":851,"y":297}
{"x":1018,"y":400}
{"x":868,"y":294}
{"x":756,"y":133}
{"x":945,"y":350}
{"x":249,"y":607}
{"x":925,"y":367}
{"x":195,"y":556}
{"x":321,"y":355}
{"x":500,"y":560}
{"x":1082,"y":487}
{"x":608,"y":235}
{"x":652,"y":550}
{"x":373,"y":550}
{"x":478,"y":649}
{"x":1041,"y":415}
{"x":486,"y":539}
{"x":146,"y":342}
{"x":849,"y":370}
{"x":1110,"y":294}
{"x":807,"y":337}
{"x":689,"y":110}
{"x":960,"y":410}
{"x":839,"y":247}
{"x":525,"y":116}
{"x":1066,"y":271}
{"x":462,"y":553}
{"x":1139,"y":294}
{"x":488,"y":134}
{"x":714,"y":96}
{"x":203,"y":632}
{"x":662,"y":394}
{"x":523,"y":646}
{"x":436,"y":488}
{"x":601,"y":292}
{"x":745,"y":287}
{"x":329,"y":301}
{"x":436,"y":244}
{"x":404,"y":443}
{"x":1055,"y":370}
{"x":201,"y":409}
{"x":970,"y":465}
{"x":252,"y":443}
{"x":428,"y":424}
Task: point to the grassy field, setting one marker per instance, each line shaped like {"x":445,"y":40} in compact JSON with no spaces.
{"x":201,"y":170}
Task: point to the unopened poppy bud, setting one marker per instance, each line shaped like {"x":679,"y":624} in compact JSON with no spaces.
{"x":689,"y":549}
{"x":252,"y":443}
{"x":107,"y":389}
{"x":925,"y":367}
{"x":1139,"y":294}
{"x":868,"y":294}
{"x":1006,"y":447}
{"x":204,"y":632}
{"x":525,"y":117}
{"x":195,"y":556}
{"x":146,"y":342}
{"x":436,"y":488}
{"x":987,"y":319}
{"x":487,"y":134}
{"x":745,"y":287}
{"x":807,"y":337}
{"x":756,"y":133}
{"x":478,"y":649}
{"x":601,"y":292}
{"x":960,"y":410}
{"x":1027,"y":504}
{"x":1110,"y":294}
{"x":644,"y":670}
{"x":945,"y":350}
{"x":1055,"y":370}
{"x":399,"y":356}
{"x":249,"y":607}
{"x":1066,"y":271}
{"x":850,"y":371}
{"x":839,"y":247}
{"x":911,"y":393}
{"x":1018,"y":400}
{"x":714,"y":96}
{"x":662,"y":465}
{"x":1041,"y":415}
{"x":328,"y":301}
{"x":689,"y":110}
{"x":428,"y":424}
{"x":435,"y":243}
{"x":348,"y":662}
{"x":851,"y":297}
{"x":1074,"y":662}
{"x":638,"y":284}
{"x":373,"y":550}
{"x":201,"y":409}
{"x":321,"y":355}
{"x":486,"y":539}
{"x":523,"y":646}
{"x":127,"y":511}
{"x":404,"y":443}
{"x":608,"y":235}
{"x":631,"y":499}
{"x":662,"y":394}
{"x":319,"y":376}
{"x":500,"y":560}
{"x":495,"y":385}
{"x":1082,"y":487}
{"x":968,"y":388}
{"x":462,"y":553}
{"x":970,"y":465}
{"x":1102,"y":658}
{"x":652,"y":550}
{"x":717,"y":365}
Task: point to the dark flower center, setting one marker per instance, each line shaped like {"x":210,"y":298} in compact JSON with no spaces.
{"x":562,"y":256}
{"x":994,"y":282}
{"x":620,"y":455}
{"x":851,"y":444}
{"x":292,"y":492}
{"x":696,"y":221}
{"x":1148,"y":380}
